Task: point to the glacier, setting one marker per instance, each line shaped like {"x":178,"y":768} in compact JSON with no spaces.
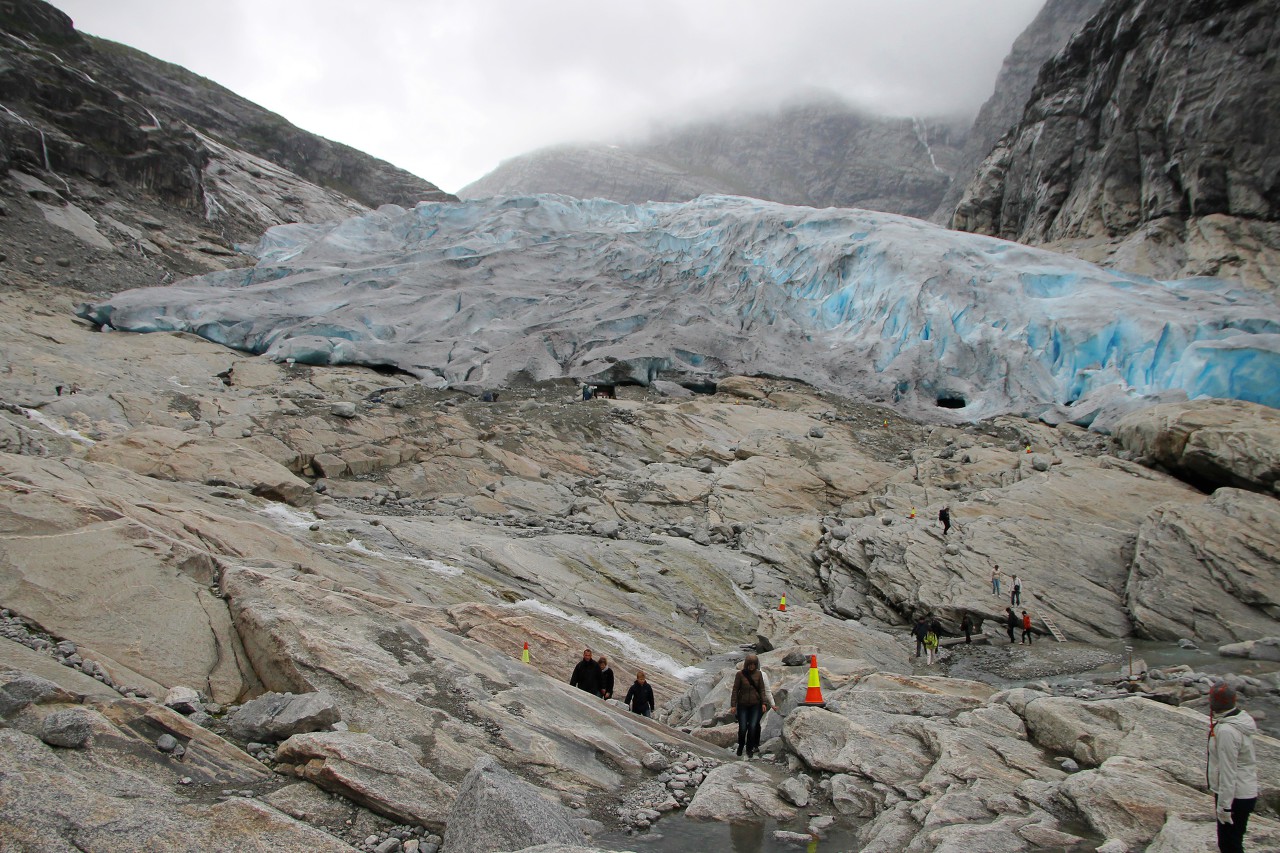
{"x":937,"y":323}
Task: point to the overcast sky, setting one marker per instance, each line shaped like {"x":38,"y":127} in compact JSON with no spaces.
{"x":449,"y":88}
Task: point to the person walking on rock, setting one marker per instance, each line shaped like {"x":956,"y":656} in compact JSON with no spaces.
{"x":966,"y":625}
{"x":747,"y":702}
{"x":586,"y":675}
{"x":1232,"y":769}
{"x":1015,"y":596}
{"x":921,"y":628}
{"x":930,"y":646}
{"x":944,"y":515}
{"x":605,"y":686}
{"x":1026,"y":628}
{"x":640,"y":696}
{"x":995,"y":580}
{"x":1011,"y":622}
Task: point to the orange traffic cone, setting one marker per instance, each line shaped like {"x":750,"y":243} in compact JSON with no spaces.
{"x":524,"y":655}
{"x":1028,"y":448}
{"x":913,"y":513}
{"x":783,"y":605}
{"x":813,"y":696}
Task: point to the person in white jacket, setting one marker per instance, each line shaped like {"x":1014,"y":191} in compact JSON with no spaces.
{"x":1232,"y":770}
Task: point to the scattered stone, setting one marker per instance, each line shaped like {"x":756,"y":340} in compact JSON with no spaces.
{"x":167,"y":743}
{"x":70,"y":729}
{"x":276,"y":716}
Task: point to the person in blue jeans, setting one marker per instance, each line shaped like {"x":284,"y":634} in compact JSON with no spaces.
{"x":747,"y":702}
{"x":995,"y":581}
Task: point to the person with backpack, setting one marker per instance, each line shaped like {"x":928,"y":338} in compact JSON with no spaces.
{"x":921,"y":628}
{"x":640,"y":696}
{"x":944,"y":515}
{"x":1010,"y":622}
{"x":1231,"y":767}
{"x":747,"y":701}
{"x":1026,"y":628}
{"x":930,"y":647}
{"x":1015,"y":596}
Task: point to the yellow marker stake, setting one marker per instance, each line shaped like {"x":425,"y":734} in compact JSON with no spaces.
{"x":524,"y":655}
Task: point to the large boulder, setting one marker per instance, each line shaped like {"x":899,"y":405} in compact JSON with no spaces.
{"x":170,"y":454}
{"x":1208,"y":570}
{"x":807,"y":627}
{"x":1168,"y":739}
{"x":738,"y":791}
{"x":276,"y":716}
{"x":376,"y":774}
{"x":868,"y":744}
{"x":1125,"y":799}
{"x":1209,"y":442}
{"x":497,"y":811}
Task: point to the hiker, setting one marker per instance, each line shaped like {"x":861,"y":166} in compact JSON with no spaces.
{"x":747,"y":702}
{"x":944,"y":515}
{"x":605,"y":684}
{"x":995,"y":581}
{"x":1232,"y":768}
{"x":921,"y":628}
{"x":1026,"y":628}
{"x":640,"y":696}
{"x":1015,"y":597}
{"x":586,"y":675}
{"x":1011,"y":622}
{"x":966,"y":625}
{"x":587,"y":393}
{"x":930,"y":646}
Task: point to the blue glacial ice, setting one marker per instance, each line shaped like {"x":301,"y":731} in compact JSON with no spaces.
{"x":863,"y":303}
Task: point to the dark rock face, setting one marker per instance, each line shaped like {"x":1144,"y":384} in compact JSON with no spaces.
{"x":81,"y":108}
{"x":1156,"y":110}
{"x":821,"y":153}
{"x":1052,"y":28}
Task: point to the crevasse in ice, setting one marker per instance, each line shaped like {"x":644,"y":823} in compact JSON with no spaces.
{"x":860,"y":302}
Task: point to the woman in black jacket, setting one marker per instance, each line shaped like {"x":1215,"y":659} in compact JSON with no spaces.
{"x":640,"y":696}
{"x":606,"y":679}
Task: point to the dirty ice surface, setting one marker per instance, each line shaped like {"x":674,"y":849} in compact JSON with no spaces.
{"x":864,"y":303}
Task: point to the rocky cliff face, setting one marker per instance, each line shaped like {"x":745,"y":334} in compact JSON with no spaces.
{"x":821,"y":153}
{"x":1056,"y":23}
{"x":1149,"y":141}
{"x":157,"y":169}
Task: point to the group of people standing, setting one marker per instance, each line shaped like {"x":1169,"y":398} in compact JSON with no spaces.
{"x":595,"y":677}
{"x":1015,"y":593}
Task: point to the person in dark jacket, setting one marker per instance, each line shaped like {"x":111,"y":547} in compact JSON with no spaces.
{"x":586,"y":675}
{"x":1011,"y":622}
{"x":944,"y":515}
{"x":605,"y":685}
{"x":747,"y":702}
{"x":640,"y":696}
{"x":919,"y":631}
{"x":966,"y":625}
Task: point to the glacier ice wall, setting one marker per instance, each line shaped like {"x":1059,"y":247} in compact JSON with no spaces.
{"x":864,"y":303}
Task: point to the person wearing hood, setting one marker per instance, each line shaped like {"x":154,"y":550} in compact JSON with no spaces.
{"x":586,"y":675}
{"x":1231,"y":770}
{"x":747,"y":702}
{"x":605,"y":684}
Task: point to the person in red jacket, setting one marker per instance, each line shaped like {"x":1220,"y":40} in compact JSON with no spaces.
{"x":1026,"y":628}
